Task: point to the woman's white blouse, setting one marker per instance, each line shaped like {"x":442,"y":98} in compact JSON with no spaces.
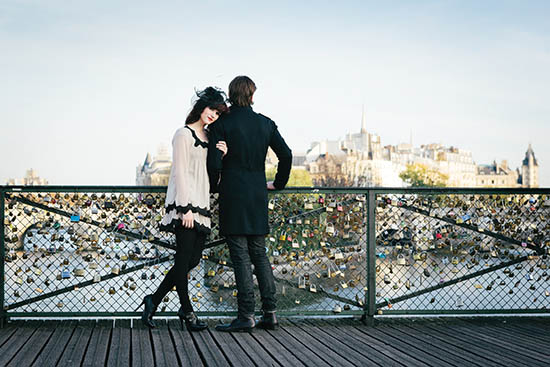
{"x":188,"y":186}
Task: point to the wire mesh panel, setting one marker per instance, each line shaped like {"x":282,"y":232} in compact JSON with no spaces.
{"x":82,"y":252}
{"x":318,"y":247}
{"x":317,"y":251}
{"x":456,"y":252}
{"x":71,"y":252}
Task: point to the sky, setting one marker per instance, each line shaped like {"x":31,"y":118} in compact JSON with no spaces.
{"x":87,"y":88}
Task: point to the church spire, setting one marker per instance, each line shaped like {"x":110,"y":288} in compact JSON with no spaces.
{"x":363,"y":122}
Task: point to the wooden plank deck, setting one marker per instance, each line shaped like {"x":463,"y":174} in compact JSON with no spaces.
{"x":482,"y":341}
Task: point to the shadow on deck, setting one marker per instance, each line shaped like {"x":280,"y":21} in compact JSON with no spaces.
{"x":483,"y":341}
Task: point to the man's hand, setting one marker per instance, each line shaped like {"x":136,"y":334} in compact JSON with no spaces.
{"x":187,"y":220}
{"x":270,"y":186}
{"x":222,"y":146}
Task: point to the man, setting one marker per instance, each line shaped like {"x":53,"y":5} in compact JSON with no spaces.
{"x":240,"y":181}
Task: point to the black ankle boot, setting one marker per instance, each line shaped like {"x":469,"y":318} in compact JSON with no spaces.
{"x":191,"y":321}
{"x":268,"y":321}
{"x":239,"y":324}
{"x":148,"y":311}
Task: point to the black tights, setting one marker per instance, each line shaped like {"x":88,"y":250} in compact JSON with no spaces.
{"x":190,"y":244}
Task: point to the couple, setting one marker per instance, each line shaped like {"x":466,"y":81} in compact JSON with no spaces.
{"x":229,"y":158}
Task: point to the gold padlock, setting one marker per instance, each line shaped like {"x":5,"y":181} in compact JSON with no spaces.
{"x":79,"y":272}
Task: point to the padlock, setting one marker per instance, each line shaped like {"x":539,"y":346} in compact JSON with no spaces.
{"x":78,"y":272}
{"x":401,"y":260}
{"x":65,"y":274}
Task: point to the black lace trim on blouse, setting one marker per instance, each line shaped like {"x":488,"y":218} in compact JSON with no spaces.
{"x":171,"y":227}
{"x":198,"y":142}
{"x":184,"y":209}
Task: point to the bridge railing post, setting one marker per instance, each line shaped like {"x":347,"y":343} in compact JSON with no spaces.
{"x":370,"y":305}
{"x":3,"y":318}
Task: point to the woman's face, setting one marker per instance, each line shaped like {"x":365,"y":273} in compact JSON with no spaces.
{"x":209,"y":115}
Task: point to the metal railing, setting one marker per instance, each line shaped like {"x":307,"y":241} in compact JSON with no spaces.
{"x":96,"y":251}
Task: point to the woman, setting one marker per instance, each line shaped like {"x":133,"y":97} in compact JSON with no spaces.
{"x":187,"y":204}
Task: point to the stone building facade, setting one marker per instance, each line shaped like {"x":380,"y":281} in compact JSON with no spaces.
{"x":496,"y":175}
{"x":154,"y":171}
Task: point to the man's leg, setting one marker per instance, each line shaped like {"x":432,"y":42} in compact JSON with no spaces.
{"x":238,"y":251}
{"x":264,"y":273}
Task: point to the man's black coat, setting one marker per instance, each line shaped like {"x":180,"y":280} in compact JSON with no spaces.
{"x":242,"y":186}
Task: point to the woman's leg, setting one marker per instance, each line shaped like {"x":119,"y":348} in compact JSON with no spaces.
{"x":189,"y":248}
{"x":197,"y":251}
{"x":186,"y":239}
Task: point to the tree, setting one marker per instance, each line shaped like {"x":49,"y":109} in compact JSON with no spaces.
{"x":418,"y":175}
{"x":298,"y":177}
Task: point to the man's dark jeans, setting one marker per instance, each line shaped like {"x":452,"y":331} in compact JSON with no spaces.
{"x":243,"y":251}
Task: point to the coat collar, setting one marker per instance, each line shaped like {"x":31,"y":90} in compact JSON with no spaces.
{"x":239,"y":108}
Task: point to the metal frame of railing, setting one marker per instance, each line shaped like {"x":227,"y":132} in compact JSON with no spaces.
{"x":375,"y":263}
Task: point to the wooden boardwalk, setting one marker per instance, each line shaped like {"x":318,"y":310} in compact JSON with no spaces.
{"x":514,"y":341}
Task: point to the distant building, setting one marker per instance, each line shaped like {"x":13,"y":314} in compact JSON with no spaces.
{"x":30,"y":179}
{"x":457,"y":164}
{"x":496,"y":175}
{"x":271,"y":160}
{"x":360,"y":160}
{"x":155,"y":171}
{"x":500,"y":175}
{"x":529,"y":169}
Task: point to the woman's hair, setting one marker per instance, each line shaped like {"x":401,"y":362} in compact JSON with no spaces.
{"x":210,"y":97}
{"x":241,"y":90}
